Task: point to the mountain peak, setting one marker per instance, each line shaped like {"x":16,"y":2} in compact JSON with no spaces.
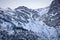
{"x":21,"y":7}
{"x":57,"y":1}
{"x":53,"y":14}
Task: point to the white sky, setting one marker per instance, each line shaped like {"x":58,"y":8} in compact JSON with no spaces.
{"x":34,"y":4}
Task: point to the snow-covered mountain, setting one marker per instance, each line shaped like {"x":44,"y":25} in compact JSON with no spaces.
{"x":28,"y":19}
{"x":13,"y":24}
{"x":23,"y":21}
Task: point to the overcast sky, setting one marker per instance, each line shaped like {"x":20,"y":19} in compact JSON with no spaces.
{"x":34,"y":4}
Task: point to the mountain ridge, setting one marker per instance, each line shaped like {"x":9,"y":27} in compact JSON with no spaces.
{"x":29,"y":21}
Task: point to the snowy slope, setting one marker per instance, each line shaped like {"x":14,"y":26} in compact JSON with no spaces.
{"x":43,"y":11}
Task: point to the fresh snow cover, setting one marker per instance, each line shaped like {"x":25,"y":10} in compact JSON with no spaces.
{"x":41,"y":28}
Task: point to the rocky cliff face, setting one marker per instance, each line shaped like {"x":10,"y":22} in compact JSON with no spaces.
{"x":53,"y":16}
